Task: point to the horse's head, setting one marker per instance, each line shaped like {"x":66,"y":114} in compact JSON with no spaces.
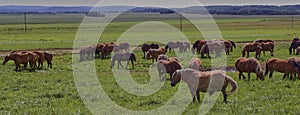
{"x":176,"y":77}
{"x":259,"y":72}
{"x":5,"y":59}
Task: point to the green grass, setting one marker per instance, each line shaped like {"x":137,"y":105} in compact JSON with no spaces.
{"x":53,"y":91}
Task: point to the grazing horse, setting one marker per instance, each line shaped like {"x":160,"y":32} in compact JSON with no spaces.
{"x":196,"y":64}
{"x":252,"y":47}
{"x":166,"y":66}
{"x":184,"y":46}
{"x":41,"y":58}
{"x":82,"y":51}
{"x":22,"y":58}
{"x":233,"y":45}
{"x":201,"y":81}
{"x":162,"y":57}
{"x":48,"y":57}
{"x":198,"y":45}
{"x":249,"y":65}
{"x":287,"y":67}
{"x":212,"y":46}
{"x":128,"y":56}
{"x":154,"y":53}
{"x":228,"y":46}
{"x":293,"y":46}
{"x":172,"y":45}
{"x":147,"y":47}
{"x":267,"y":46}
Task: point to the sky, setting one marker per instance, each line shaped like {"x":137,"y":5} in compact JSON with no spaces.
{"x":179,"y":3}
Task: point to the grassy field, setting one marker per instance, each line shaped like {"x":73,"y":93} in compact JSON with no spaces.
{"x":53,"y":91}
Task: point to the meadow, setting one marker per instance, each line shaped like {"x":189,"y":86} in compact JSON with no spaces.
{"x":53,"y":91}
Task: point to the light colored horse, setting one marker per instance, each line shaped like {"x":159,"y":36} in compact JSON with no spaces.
{"x":196,"y":64}
{"x":166,"y":66}
{"x":200,"y":81}
{"x":128,"y":56}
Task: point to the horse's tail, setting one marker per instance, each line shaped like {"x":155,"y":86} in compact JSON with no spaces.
{"x":232,"y":83}
{"x":166,"y":48}
{"x":267,"y":68}
{"x":297,"y":65}
{"x":233,"y":44}
{"x":133,"y":57}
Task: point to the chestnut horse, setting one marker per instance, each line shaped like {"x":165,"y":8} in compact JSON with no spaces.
{"x":128,"y":56}
{"x":268,"y":46}
{"x":287,"y":67}
{"x":196,"y":64}
{"x":249,"y":65}
{"x":99,"y":50}
{"x":154,"y":53}
{"x":106,"y":50}
{"x":22,"y":58}
{"x":166,"y":66}
{"x":41,"y":58}
{"x":201,"y":81}
{"x":252,"y":47}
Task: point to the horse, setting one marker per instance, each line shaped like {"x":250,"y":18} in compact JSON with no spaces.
{"x":146,"y":47}
{"x":22,"y":58}
{"x":228,"y":46}
{"x":184,"y":46}
{"x":212,"y":46}
{"x":154,"y":53}
{"x":172,"y":45}
{"x":293,"y":46}
{"x":232,"y":45}
{"x":82,"y":51}
{"x":107,"y":49}
{"x":124,"y":46}
{"x":166,"y":66}
{"x":200,"y":81}
{"x":295,"y":39}
{"x":196,"y":64}
{"x":287,"y":67}
{"x":249,"y":65}
{"x":198,"y":45}
{"x":252,"y":47}
{"x":267,"y":46}
{"x":99,"y":49}
{"x":297,"y":50}
{"x":48,"y":57}
{"x":41,"y":58}
{"x":173,"y":59}
{"x":128,"y":56}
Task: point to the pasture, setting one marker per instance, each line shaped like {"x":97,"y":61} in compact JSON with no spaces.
{"x":53,"y":91}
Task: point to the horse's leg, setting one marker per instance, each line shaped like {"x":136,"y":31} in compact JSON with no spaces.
{"x":127,"y":65}
{"x":240,"y":74}
{"x":284,"y":75}
{"x":271,"y":73}
{"x":249,"y":76}
{"x":132,"y":63}
{"x":224,"y":95}
{"x":198,"y":95}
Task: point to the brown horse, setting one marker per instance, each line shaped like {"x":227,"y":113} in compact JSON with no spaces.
{"x":249,"y":65}
{"x":128,"y":56}
{"x":166,"y":66}
{"x":162,"y":57}
{"x":106,"y":50}
{"x":154,"y":53}
{"x":267,"y":46}
{"x":252,"y":47}
{"x":283,"y":66}
{"x":48,"y":57}
{"x":298,"y":51}
{"x":173,"y":59}
{"x":41,"y":58}
{"x":147,"y":47}
{"x":22,"y":58}
{"x":196,"y":64}
{"x":198,"y":45}
{"x":228,"y":46}
{"x":201,"y":81}
{"x":99,"y":50}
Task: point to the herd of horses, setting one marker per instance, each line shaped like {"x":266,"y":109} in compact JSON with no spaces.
{"x":34,"y":58}
{"x":197,"y":79}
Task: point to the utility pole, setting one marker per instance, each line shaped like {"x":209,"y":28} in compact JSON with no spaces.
{"x":180,"y":16}
{"x":25,"y":22}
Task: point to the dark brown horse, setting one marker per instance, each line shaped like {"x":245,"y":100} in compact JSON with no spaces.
{"x":147,"y":47}
{"x":198,"y":45}
{"x":128,"y":56}
{"x":41,"y":58}
{"x":268,"y":46}
{"x":249,"y":65}
{"x":293,"y":46}
{"x":263,"y":41}
{"x":106,"y":50}
{"x":48,"y":57}
{"x":166,"y":66}
{"x":99,"y":50}
{"x":201,"y":81}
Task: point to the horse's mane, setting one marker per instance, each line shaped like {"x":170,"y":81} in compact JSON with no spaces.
{"x":254,"y":61}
